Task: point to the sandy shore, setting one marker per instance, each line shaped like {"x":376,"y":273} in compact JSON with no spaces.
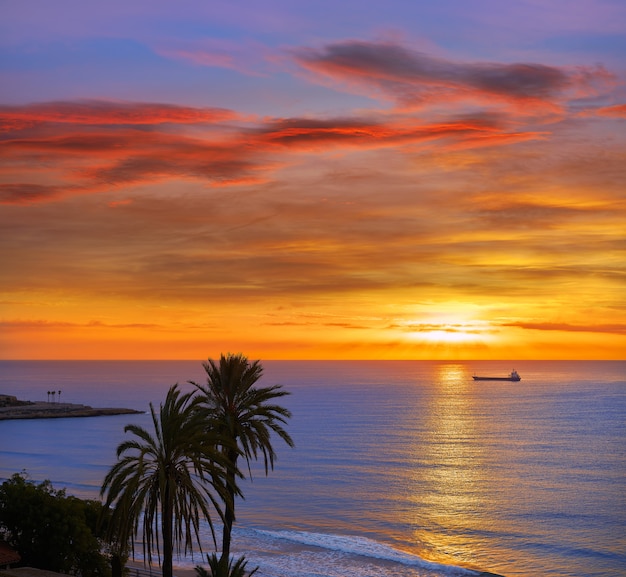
{"x":137,"y":569}
{"x":185,"y":573}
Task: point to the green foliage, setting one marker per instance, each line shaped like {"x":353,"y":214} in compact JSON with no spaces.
{"x":51,"y":530}
{"x":236,"y":568}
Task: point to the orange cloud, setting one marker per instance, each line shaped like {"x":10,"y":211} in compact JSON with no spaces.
{"x":116,"y":203}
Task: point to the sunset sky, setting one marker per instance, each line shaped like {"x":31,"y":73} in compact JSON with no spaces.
{"x":313,"y":179}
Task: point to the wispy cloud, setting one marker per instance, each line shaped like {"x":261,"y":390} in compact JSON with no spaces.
{"x":248,"y":58}
{"x":44,"y":324}
{"x":415,"y":79}
{"x":102,"y":112}
{"x":618,"y":329}
{"x":452,"y":328}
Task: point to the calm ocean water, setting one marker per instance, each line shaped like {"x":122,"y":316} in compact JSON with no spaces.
{"x":404,"y":469}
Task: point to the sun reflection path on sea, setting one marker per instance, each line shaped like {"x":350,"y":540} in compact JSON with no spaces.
{"x":447,"y":479}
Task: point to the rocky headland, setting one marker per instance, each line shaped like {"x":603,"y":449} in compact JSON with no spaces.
{"x":13,"y":408}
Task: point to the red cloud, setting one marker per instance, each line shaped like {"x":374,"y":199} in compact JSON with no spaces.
{"x":617,"y":111}
{"x":100,"y":146}
{"x":24,"y":193}
{"x":96,"y":112}
{"x":307,"y":134}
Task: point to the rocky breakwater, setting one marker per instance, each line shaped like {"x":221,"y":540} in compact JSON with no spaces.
{"x":12,"y":408}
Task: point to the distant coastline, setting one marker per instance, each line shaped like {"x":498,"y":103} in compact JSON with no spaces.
{"x":13,"y":408}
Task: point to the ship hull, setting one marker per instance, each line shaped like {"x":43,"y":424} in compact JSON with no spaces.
{"x":511,"y":379}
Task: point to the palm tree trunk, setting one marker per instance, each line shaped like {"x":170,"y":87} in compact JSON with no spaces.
{"x":229,"y":512}
{"x":167,"y":518}
{"x":116,"y":565}
{"x":229,"y":518}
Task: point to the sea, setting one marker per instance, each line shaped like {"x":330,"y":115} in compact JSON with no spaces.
{"x":400,"y":468}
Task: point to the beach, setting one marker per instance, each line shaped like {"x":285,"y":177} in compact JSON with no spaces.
{"x":139,"y":570}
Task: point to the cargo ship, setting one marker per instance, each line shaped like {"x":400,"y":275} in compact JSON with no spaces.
{"x":513,"y":376}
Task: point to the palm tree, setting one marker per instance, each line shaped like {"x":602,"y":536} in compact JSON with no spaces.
{"x":245,"y":416}
{"x":168,"y":476}
{"x":236,"y":568}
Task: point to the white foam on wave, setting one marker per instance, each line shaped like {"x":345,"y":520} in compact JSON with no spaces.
{"x":251,"y":541}
{"x":365,"y":547}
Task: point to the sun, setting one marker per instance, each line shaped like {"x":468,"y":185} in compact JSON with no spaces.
{"x":450,"y":334}
{"x":448,"y":330}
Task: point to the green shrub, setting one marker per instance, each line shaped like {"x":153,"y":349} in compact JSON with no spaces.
{"x":51,"y":530}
